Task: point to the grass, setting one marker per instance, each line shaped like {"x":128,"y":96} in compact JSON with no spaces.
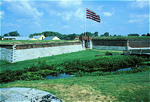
{"x":120,"y":88}
{"x":86,"y":54}
{"x":33,"y":41}
{"x":123,"y":37}
{"x":123,"y":87}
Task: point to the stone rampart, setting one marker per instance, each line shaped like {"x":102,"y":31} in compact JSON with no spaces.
{"x":21,"y":52}
{"x":6,"y":54}
{"x":139,"y":43}
{"x":120,"y":44}
{"x":109,"y":47}
{"x":109,"y":44}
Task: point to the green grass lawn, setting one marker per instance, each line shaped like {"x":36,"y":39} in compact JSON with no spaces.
{"x":86,"y":54}
{"x":120,"y":88}
{"x":124,"y":87}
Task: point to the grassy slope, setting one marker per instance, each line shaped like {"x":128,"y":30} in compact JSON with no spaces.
{"x":128,"y":88}
{"x":123,"y":37}
{"x":33,"y":41}
{"x":86,"y":54}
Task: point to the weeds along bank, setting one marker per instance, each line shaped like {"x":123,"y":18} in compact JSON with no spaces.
{"x":20,"y":52}
{"x":95,"y":67}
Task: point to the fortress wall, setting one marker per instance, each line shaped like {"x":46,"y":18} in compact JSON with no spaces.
{"x":26,"y":54}
{"x":139,"y":43}
{"x":109,"y":44}
{"x":21,"y":52}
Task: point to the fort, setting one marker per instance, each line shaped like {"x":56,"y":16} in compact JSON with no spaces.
{"x":20,"y":52}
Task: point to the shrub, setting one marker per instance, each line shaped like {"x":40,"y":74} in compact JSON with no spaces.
{"x":108,"y":53}
{"x":94,"y":67}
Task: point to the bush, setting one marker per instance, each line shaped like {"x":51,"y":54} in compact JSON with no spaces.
{"x":31,"y":76}
{"x":94,"y":67}
{"x":103,"y":63}
{"x":108,"y":53}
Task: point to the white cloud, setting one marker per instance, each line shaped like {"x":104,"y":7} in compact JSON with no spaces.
{"x":66,"y":26}
{"x":25,"y":9}
{"x":65,"y":15}
{"x":70,"y":3}
{"x":139,"y":4}
{"x":37,"y":24}
{"x":78,"y":14}
{"x":107,"y":13}
{"x":2,"y":13}
{"x":10,"y":25}
{"x":138,"y":18}
{"x":133,"y":20}
{"x":100,"y":7}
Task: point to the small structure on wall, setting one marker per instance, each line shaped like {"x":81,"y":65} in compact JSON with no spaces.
{"x":86,"y":41}
{"x":41,"y":37}
{"x":51,"y":38}
{"x":76,"y":38}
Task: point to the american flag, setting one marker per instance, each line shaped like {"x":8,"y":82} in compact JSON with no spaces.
{"x":92,"y":15}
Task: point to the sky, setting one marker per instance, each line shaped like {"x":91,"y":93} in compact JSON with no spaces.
{"x":120,"y":17}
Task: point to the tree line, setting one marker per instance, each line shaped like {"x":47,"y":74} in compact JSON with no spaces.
{"x":68,"y":36}
{"x":52,"y":33}
{"x":106,"y":34}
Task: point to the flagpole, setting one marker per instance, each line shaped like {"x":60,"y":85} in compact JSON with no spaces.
{"x":85,"y":23}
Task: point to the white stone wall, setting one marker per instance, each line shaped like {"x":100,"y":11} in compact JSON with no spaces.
{"x":109,"y":47}
{"x":26,"y":54}
{"x":90,"y":44}
{"x":6,"y":54}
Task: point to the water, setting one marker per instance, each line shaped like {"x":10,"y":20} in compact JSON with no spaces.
{"x":124,"y":69}
{"x":58,"y":76}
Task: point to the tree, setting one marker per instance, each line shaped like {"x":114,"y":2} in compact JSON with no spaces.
{"x":31,"y":35}
{"x":102,"y":35}
{"x":133,"y":34}
{"x":14,"y":33}
{"x":143,"y":34}
{"x":71,"y":36}
{"x":95,"y":34}
{"x":106,"y":34}
{"x":1,"y":37}
{"x":87,"y":34}
{"x":6,"y":34}
{"x":148,"y":34}
{"x":115,"y":35}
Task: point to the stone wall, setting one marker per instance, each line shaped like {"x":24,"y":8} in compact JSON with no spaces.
{"x":26,"y":54}
{"x":120,"y":44}
{"x":105,"y":44}
{"x":6,"y":54}
{"x":139,"y":43}
{"x":15,"y":53}
{"x":109,"y":47}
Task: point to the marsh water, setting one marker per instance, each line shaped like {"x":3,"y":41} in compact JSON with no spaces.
{"x":64,"y":75}
{"x":67,"y":75}
{"x":58,"y":76}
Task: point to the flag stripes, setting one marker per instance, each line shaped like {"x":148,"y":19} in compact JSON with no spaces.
{"x":92,"y":15}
